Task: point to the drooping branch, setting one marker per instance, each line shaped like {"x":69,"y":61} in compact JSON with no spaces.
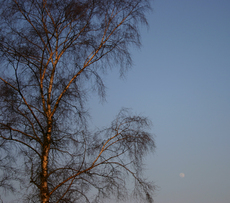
{"x":52,"y":53}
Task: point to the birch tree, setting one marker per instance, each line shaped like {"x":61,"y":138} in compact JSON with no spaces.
{"x":53,"y":52}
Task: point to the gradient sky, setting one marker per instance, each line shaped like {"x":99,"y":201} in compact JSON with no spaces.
{"x":181,"y":81}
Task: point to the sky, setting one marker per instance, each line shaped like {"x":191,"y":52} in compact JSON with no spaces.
{"x":181,"y":81}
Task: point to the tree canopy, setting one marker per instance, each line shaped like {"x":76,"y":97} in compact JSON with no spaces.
{"x":52,"y":55}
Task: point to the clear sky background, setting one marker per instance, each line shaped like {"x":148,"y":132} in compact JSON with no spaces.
{"x":181,"y":81}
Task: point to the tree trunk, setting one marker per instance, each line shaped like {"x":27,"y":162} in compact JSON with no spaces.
{"x":44,"y":164}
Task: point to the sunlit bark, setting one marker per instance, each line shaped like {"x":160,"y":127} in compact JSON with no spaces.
{"x":53,"y":53}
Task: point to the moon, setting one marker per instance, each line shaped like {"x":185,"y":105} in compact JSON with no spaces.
{"x":182,"y":175}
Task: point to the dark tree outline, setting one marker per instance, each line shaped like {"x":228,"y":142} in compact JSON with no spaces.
{"x":23,"y":56}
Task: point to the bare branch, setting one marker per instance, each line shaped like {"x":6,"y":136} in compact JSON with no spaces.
{"x":53,"y":54}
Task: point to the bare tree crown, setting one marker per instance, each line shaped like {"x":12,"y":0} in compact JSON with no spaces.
{"x":52,"y":52}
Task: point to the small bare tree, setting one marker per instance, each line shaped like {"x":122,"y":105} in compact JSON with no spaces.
{"x":52,"y":53}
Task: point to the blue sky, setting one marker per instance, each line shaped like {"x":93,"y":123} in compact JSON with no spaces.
{"x":181,"y":81}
